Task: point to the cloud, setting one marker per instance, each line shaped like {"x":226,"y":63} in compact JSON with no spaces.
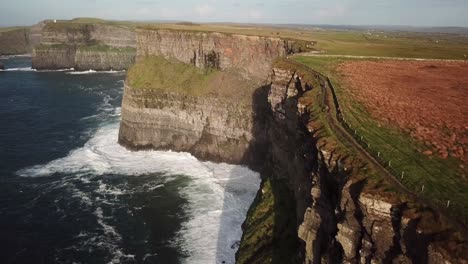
{"x":204,"y":10}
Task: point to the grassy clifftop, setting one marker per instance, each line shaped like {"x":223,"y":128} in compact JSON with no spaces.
{"x":161,"y":74}
{"x":443,"y":179}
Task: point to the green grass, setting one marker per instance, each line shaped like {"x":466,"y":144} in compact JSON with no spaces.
{"x":158,"y":73}
{"x":269,"y":230}
{"x":78,"y":23}
{"x":7,"y":29}
{"x":387,"y":44}
{"x":329,"y":138}
{"x":333,"y":42}
{"x":442,"y":178}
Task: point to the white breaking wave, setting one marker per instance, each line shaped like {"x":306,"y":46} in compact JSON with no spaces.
{"x":68,"y":71}
{"x":20,"y":69}
{"x":30,"y":69}
{"x":93,"y":72}
{"x":218,"y":195}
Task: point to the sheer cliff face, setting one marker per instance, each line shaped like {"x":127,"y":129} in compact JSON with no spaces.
{"x":66,"y":45}
{"x":81,"y":60}
{"x":316,"y":203}
{"x":210,"y":127}
{"x":251,"y":55}
{"x":340,"y":216}
{"x":81,"y":34}
{"x":14,"y":42}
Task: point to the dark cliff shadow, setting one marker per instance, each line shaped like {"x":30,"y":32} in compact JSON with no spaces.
{"x":254,"y":157}
{"x":270,"y":229}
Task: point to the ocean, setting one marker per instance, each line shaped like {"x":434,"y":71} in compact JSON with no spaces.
{"x":69,"y":193}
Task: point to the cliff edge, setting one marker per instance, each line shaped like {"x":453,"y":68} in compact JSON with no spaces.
{"x":218,"y":97}
{"x":83,"y":46}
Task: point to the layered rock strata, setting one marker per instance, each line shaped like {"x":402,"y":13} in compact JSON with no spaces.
{"x":66,"y":57}
{"x":14,"y":42}
{"x":317,"y":203}
{"x":81,"y":46}
{"x":250,"y":55}
{"x":342,"y":216}
{"x":210,"y":127}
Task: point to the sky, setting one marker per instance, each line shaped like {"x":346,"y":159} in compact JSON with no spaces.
{"x":335,"y":12}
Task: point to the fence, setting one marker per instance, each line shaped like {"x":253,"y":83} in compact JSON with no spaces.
{"x":399,"y":175}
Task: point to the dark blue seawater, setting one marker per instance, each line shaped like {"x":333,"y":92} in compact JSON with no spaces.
{"x":70,"y":194}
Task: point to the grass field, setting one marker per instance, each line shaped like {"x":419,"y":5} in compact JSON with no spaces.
{"x":443,"y":179}
{"x":333,"y":42}
{"x":158,"y":73}
{"x":6,"y":29}
{"x":361,"y":43}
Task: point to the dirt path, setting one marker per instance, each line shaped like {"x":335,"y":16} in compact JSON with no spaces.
{"x":331,"y":101}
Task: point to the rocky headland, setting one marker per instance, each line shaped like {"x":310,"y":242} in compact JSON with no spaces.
{"x":78,"y":44}
{"x":226,"y":98}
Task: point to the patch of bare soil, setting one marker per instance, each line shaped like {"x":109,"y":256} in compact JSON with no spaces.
{"x":427,"y":99}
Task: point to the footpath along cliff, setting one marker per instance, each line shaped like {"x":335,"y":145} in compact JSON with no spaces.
{"x":224,"y":97}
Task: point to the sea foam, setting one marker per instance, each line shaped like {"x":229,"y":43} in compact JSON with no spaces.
{"x":218,"y":194}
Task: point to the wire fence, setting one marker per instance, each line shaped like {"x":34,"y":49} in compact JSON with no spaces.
{"x":411,"y":185}
{"x":399,"y":174}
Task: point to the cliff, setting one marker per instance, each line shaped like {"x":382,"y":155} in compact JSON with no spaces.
{"x":14,"y":41}
{"x":83,"y":46}
{"x":250,"y":55}
{"x":201,"y":99}
{"x":182,"y":108}
{"x":346,"y":212}
{"x":216,"y":96}
{"x":82,"y":57}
